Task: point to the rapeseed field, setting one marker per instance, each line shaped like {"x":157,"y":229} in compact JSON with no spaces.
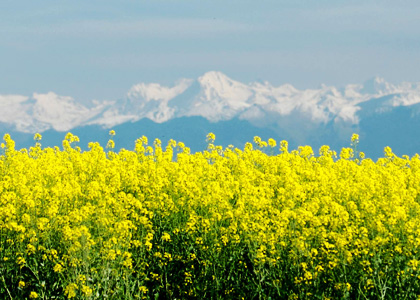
{"x":159,"y":222}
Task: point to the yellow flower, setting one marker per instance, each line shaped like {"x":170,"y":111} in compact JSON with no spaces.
{"x":33,"y":295}
{"x":97,"y":210}
{"x":110,"y":144}
{"x":58,"y":268}
{"x":37,"y":137}
{"x":308,"y":275}
{"x":348,"y":286}
{"x":272,"y":143}
{"x":30,"y":249}
{"x":354,"y":137}
{"x":87,"y":291}
{"x":143,"y":289}
{"x":211,"y":137}
{"x":21,"y":261}
{"x":166,"y":237}
{"x":71,"y":290}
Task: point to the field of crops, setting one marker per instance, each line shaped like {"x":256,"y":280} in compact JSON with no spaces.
{"x":162,"y":223}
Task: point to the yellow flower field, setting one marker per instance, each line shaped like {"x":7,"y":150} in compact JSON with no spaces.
{"x":225,"y":223}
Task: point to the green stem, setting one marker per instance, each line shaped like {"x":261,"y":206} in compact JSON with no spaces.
{"x":4,"y":281}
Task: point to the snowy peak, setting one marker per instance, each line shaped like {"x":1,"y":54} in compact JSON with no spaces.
{"x":376,"y":86}
{"x":219,"y":97}
{"x":44,"y":111}
{"x":217,"y":87}
{"x":287,"y":89}
{"x":59,"y":112}
{"x":215,"y":77}
{"x":215,"y":97}
{"x":221,"y":84}
{"x":157,"y":92}
{"x":14,"y":110}
{"x":147,"y":101}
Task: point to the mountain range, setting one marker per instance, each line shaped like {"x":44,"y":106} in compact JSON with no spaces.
{"x":384,"y":114}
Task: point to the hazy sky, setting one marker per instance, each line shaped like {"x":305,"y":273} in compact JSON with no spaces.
{"x":97,"y":49}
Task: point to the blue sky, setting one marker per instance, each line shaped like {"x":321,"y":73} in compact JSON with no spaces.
{"x":99,"y":49}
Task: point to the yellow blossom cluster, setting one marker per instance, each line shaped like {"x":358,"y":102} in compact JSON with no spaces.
{"x":258,"y":222}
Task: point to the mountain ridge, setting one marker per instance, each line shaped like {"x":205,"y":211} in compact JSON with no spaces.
{"x":300,"y":115}
{"x":213,"y":96}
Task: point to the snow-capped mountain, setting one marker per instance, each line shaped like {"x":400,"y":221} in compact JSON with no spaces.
{"x":44,"y":111}
{"x":217,"y":97}
{"x":303,"y":115}
{"x":213,"y":96}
